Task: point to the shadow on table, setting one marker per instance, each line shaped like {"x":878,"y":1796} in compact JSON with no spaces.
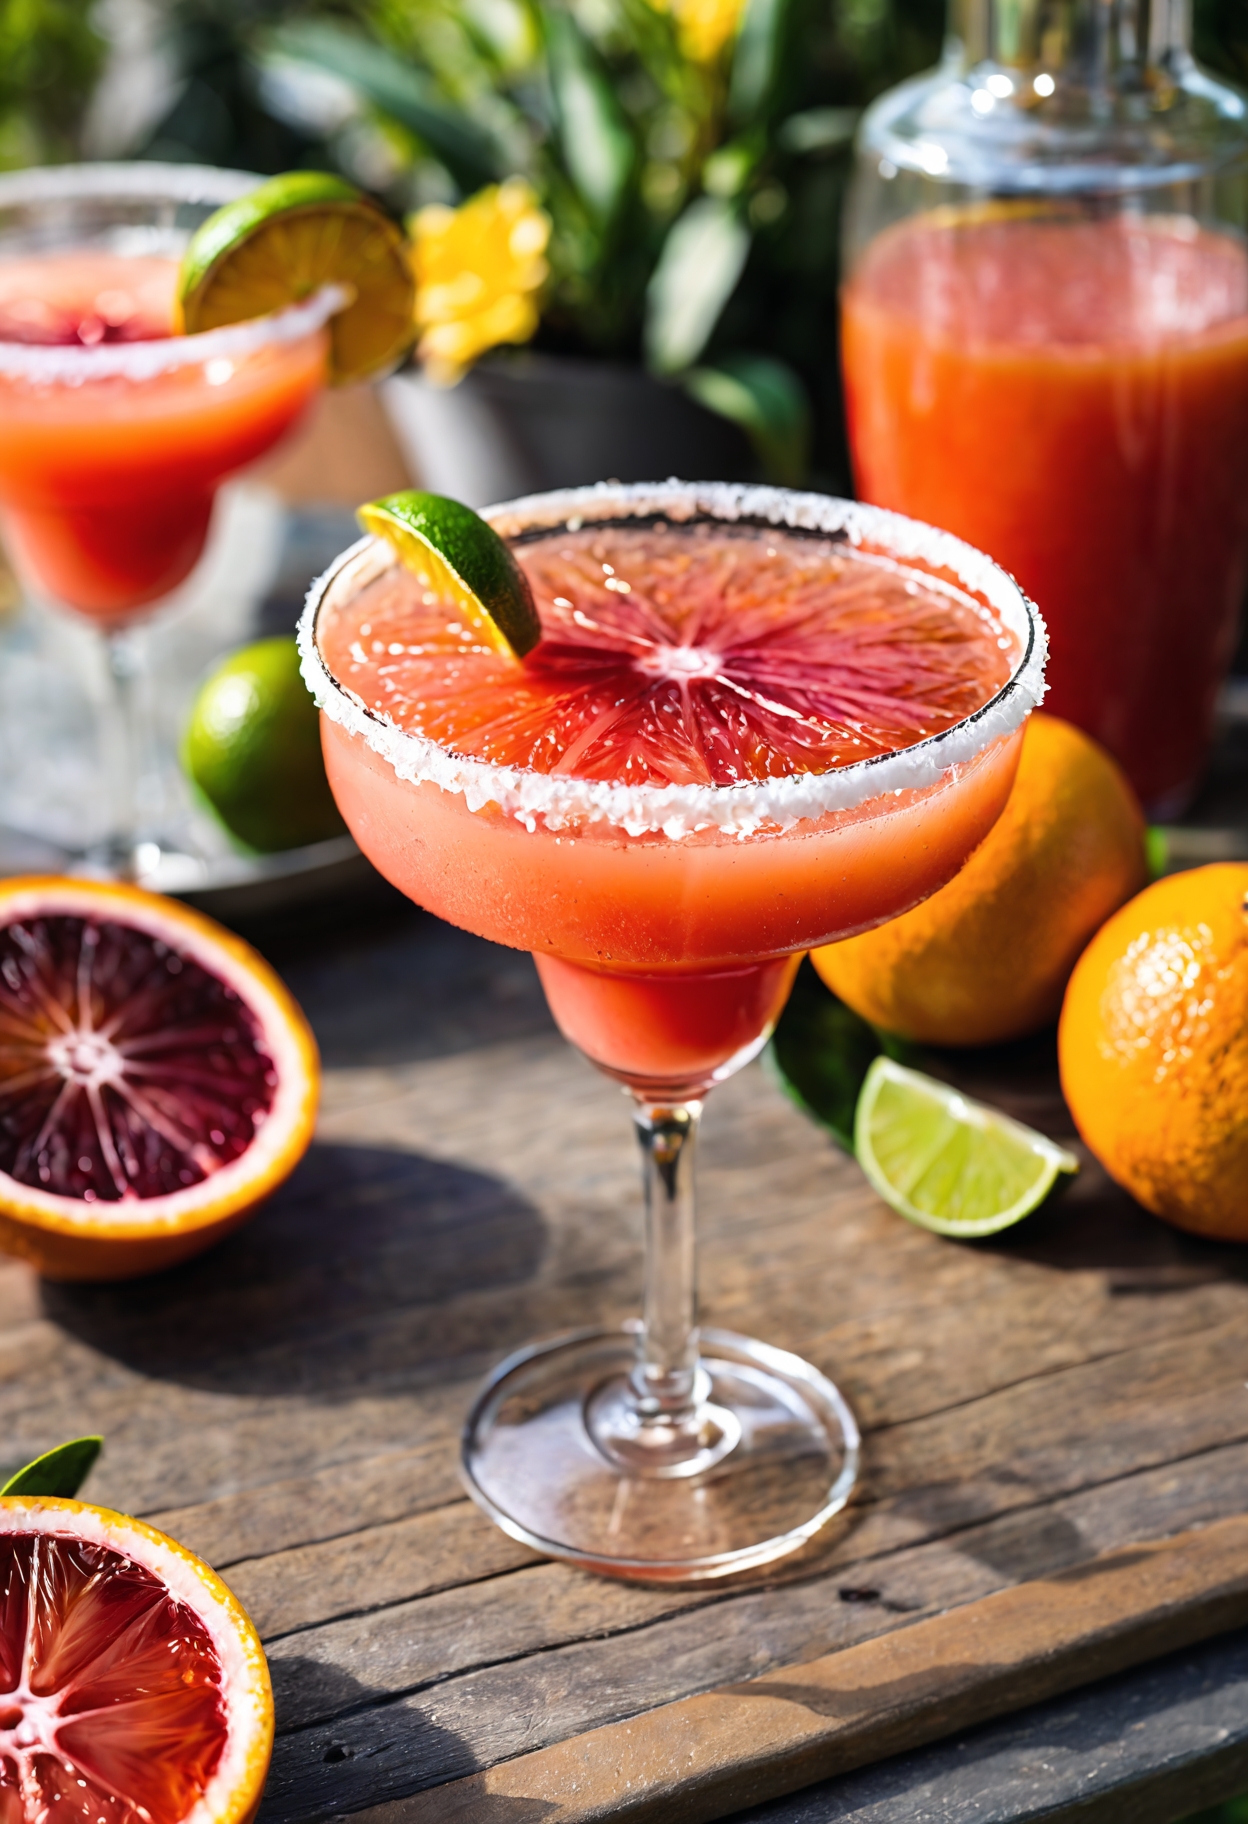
{"x":1093,"y":1224}
{"x":403,"y":987}
{"x":361,"y":1273}
{"x":369,"y":1751}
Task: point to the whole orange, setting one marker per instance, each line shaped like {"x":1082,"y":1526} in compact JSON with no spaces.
{"x":1153,"y":1047}
{"x":987,"y":958}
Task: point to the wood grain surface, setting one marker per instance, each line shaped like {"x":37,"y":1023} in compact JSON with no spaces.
{"x":702,"y":1756}
{"x":289,"y":1405}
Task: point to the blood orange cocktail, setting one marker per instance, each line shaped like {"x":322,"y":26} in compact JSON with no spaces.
{"x":108,"y":471}
{"x":115,"y":434}
{"x":756,"y":722}
{"x":1071,"y":394}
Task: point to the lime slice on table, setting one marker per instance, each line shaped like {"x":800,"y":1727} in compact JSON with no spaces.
{"x":946,"y":1162}
{"x":281,"y":243}
{"x":458,"y":555}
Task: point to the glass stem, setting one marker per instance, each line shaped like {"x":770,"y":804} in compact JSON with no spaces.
{"x":125,"y":746}
{"x":666,"y":1374}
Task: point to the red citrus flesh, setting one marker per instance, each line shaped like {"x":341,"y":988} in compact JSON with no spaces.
{"x":127,"y":1070}
{"x":111,"y":1702}
{"x":681,"y":654}
{"x":68,"y":300}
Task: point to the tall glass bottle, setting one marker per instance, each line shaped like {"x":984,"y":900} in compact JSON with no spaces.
{"x":1045,"y":345}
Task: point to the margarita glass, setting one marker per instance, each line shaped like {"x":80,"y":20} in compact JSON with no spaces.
{"x":666,"y":917}
{"x":115,"y":434}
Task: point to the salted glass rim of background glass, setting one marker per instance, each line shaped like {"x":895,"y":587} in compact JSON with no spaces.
{"x":138,"y":183}
{"x":680,"y":810}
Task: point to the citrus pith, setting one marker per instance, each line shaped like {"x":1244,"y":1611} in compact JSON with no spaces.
{"x":987,"y":958}
{"x":133,"y":1687}
{"x":157,"y":1080}
{"x":281,"y":243}
{"x":1153,"y":1049}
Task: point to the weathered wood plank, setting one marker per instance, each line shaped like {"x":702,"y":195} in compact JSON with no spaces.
{"x":341,"y":1499}
{"x":380,"y":1738}
{"x":696,"y":1759}
{"x":288,"y":1592}
{"x":1162,"y":1740}
{"x":923,"y":1479}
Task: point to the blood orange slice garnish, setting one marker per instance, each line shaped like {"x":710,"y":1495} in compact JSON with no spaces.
{"x":133,"y":1689}
{"x":156,"y":1078}
{"x":676,"y":654}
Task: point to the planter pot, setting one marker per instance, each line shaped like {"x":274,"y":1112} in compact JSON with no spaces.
{"x":526,"y":423}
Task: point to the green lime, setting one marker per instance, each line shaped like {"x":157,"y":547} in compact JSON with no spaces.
{"x":285,"y":240}
{"x":253,"y":747}
{"x":946,"y":1162}
{"x":455,"y":553}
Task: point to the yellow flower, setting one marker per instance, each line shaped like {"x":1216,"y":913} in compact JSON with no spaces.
{"x":478,"y":271}
{"x":704,"y":26}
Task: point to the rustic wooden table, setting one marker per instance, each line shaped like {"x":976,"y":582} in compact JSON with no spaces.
{"x":1036,"y":1412}
{"x":1048,"y":1418}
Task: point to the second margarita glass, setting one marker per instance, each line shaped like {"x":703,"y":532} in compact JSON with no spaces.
{"x":116,"y":434}
{"x":666,"y":921}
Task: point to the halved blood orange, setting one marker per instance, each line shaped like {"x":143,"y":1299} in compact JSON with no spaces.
{"x":157,"y":1080}
{"x":133,"y":1688}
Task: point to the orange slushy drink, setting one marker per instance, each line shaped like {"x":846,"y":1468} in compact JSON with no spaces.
{"x":1071,"y":395}
{"x":739,"y":737}
{"x":107,"y":482}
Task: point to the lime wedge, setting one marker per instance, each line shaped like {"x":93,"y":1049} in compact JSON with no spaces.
{"x":455,"y":553}
{"x":281,"y":243}
{"x":946,"y":1162}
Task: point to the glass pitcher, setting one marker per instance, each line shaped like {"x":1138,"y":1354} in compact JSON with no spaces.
{"x":1045,"y":347}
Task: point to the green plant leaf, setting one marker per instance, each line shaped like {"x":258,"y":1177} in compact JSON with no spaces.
{"x":409,"y":95}
{"x":821,"y":1050}
{"x":766,"y":398}
{"x":703,"y":257}
{"x":60,"y":1472}
{"x":598,"y":146}
{"x":757,"y":59}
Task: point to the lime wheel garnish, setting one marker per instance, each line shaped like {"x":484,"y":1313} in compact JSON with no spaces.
{"x":156,"y":1078}
{"x":283,"y":242}
{"x":133,"y":1689}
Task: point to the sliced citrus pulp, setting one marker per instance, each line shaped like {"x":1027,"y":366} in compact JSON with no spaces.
{"x":460,"y":562}
{"x":285,"y":240}
{"x":946,"y":1162}
{"x":156,"y":1078}
{"x":133,"y":1688}
{"x":675,"y":653}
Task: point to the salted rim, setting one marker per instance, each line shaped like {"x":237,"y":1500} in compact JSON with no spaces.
{"x":145,"y":360}
{"x":683,"y":810}
{"x":136,"y":178}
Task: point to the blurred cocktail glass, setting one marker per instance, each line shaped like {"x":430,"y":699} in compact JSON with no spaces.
{"x":115,"y":433}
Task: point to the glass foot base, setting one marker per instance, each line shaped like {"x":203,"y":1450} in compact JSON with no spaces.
{"x":780,"y":1457}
